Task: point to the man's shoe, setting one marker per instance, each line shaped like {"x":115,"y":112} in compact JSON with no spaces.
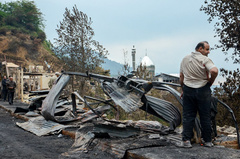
{"x":184,"y":144}
{"x":208,"y":144}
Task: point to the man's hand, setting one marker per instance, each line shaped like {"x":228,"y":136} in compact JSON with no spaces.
{"x":214,"y":73}
{"x":181,"y":78}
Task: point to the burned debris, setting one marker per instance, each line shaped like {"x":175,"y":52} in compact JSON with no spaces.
{"x":128,"y":94}
{"x":102,"y":134}
{"x":50,"y":102}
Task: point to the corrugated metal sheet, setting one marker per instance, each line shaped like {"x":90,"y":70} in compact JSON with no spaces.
{"x":128,"y":100}
{"x":39,"y":126}
{"x":50,"y":102}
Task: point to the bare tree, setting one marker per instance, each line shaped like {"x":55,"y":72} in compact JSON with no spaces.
{"x":126,"y":68}
{"x":75,"y":44}
{"x":142,"y":72}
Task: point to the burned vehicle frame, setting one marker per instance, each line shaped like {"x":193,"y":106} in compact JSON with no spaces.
{"x":129,"y":94}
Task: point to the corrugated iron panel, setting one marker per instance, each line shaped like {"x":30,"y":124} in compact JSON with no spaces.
{"x":39,"y":126}
{"x":128,"y":100}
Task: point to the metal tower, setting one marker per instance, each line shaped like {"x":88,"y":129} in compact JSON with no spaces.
{"x":133,"y":58}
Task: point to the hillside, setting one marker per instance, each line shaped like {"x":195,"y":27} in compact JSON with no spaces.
{"x":24,"y":50}
{"x":113,"y":66}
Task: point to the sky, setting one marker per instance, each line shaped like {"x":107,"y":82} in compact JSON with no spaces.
{"x":164,"y":30}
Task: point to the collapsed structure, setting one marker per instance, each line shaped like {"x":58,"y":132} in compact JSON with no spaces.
{"x":129,"y":94}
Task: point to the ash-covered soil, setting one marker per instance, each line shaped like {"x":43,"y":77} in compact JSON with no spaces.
{"x":18,"y":143}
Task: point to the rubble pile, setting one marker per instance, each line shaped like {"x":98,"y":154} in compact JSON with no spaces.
{"x":50,"y":113}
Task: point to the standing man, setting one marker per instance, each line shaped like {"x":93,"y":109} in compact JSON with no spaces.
{"x":11,"y":85}
{"x":52,"y":81}
{"x":197,"y":74}
{"x":4,"y":88}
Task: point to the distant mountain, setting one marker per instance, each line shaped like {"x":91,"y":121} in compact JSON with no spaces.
{"x":114,"y":67}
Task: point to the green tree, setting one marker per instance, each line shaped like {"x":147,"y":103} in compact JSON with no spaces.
{"x":23,"y":14}
{"x":227,"y":26}
{"x":229,"y":92}
{"x":75,"y":44}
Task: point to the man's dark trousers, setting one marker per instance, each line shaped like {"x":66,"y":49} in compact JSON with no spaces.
{"x":10,"y":96}
{"x":4,"y":94}
{"x":197,"y":100}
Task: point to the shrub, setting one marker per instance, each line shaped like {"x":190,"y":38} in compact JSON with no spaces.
{"x":3,"y":31}
{"x":15,"y":31}
{"x":21,"y":36}
{"x":13,"y":46}
{"x":42,"y":36}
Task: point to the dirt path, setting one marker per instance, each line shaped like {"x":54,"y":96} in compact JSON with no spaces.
{"x":18,"y":143}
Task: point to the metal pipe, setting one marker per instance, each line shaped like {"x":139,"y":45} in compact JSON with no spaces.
{"x":233,"y":117}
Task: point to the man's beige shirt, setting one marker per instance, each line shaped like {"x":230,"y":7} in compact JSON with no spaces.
{"x":195,"y":68}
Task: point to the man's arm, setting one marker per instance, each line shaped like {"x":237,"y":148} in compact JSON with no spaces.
{"x":214,"y":72}
{"x":181,"y":82}
{"x":181,"y":78}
